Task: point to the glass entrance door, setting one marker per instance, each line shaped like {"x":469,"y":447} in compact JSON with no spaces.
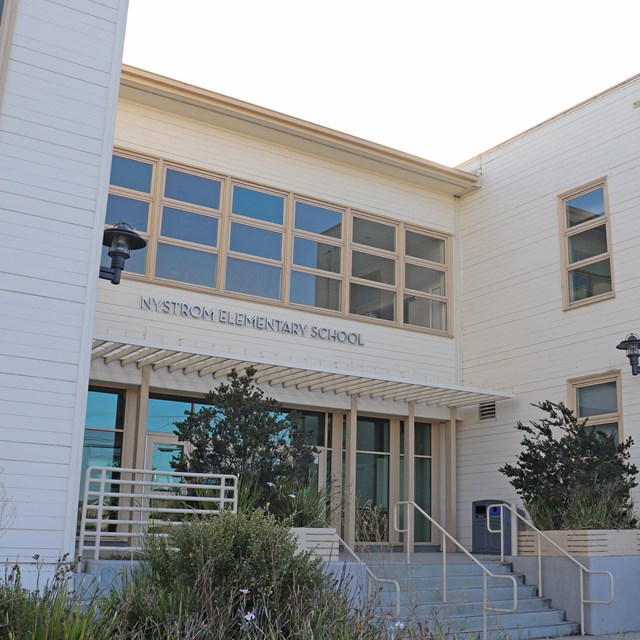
{"x":160,"y":451}
{"x":372,"y":479}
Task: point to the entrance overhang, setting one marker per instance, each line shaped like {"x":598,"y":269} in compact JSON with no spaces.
{"x":291,"y":374}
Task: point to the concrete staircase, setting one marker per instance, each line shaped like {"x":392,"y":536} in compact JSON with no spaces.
{"x":421,"y":599}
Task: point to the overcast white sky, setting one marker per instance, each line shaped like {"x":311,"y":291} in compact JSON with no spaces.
{"x":444,"y":80}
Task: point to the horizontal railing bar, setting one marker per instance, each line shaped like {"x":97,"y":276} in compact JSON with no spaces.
{"x":146,"y":472}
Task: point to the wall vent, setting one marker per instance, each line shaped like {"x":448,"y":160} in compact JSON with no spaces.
{"x":487,"y":411}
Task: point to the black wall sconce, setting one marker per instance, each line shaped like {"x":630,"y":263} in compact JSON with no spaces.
{"x":121,"y":240}
{"x":632,"y":346}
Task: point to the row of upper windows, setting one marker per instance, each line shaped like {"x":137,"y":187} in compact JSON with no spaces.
{"x":220,"y":234}
{"x":586,"y":246}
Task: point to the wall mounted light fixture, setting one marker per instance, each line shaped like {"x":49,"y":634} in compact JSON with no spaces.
{"x":632,"y":346}
{"x":121,"y":240}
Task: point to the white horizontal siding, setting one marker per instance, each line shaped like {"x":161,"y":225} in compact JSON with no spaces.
{"x":56,"y":124}
{"x":515,"y":331}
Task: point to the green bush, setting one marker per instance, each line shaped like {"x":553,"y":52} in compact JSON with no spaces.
{"x":570,"y":476}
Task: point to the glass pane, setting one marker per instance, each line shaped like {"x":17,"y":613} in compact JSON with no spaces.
{"x":372,"y":302}
{"x":105,"y":409}
{"x":162,"y":413}
{"x":162,"y":455}
{"x":372,"y":495}
{"x":422,"y":488}
{"x":191,"y":188}
{"x":588,"y":244}
{"x":607,"y":428}
{"x":192,"y":227}
{"x":134,"y":212}
{"x":424,"y":279}
{"x":420,"y":312}
{"x":589,"y":281}
{"x":258,"y":205}
{"x":315,"y":291}
{"x":373,"y":435}
{"x":585,"y":207}
{"x":254,"y":278}
{"x":312,"y":424}
{"x":131,"y":174}
{"x":100,"y":449}
{"x":256,"y":241}
{"x":423,"y":439}
{"x":186,"y":265}
{"x":375,"y":268}
{"x":374,"y":234}
{"x":596,"y":399}
{"x":136,"y":263}
{"x":317,"y":255}
{"x":318,"y":220}
{"x":418,"y":245}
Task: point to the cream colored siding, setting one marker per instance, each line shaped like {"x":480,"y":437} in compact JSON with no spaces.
{"x":56,"y":124}
{"x":516,"y":333}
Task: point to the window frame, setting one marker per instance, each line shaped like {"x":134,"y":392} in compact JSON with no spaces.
{"x":568,"y":232}
{"x":289,"y":233}
{"x":590,"y":381}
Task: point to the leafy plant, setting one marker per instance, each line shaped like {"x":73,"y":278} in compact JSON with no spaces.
{"x":240,"y":431}
{"x":569,"y":475}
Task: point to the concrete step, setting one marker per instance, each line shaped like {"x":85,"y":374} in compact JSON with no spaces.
{"x":428,"y":596}
{"x":392,"y":569}
{"x":454,"y":583}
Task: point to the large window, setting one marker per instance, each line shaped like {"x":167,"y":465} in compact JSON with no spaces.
{"x":597,"y":398}
{"x":586,"y":246}
{"x":236,"y":238}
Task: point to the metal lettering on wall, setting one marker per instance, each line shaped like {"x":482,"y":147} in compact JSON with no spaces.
{"x":254,"y":321}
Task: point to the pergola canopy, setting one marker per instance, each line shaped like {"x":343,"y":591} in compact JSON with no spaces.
{"x":288,"y":374}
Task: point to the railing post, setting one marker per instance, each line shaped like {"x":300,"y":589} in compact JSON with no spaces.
{"x":514,"y":529}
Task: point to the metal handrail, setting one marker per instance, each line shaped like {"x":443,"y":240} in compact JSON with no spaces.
{"x":146,"y":500}
{"x":371,"y":577}
{"x":540,"y":535}
{"x":485,"y":572}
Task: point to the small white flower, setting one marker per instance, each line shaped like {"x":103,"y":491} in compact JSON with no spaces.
{"x":398,"y":625}
{"x":249,"y":616}
{"x":292,"y":495}
{"x":270,"y":484}
{"x":244,"y":591}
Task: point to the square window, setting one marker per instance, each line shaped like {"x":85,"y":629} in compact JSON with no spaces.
{"x":263,"y":206}
{"x":374,"y":234}
{"x":188,"y":187}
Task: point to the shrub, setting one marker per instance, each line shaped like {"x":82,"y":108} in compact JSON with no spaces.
{"x":581,"y":479}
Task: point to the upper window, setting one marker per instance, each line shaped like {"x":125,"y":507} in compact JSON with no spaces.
{"x":586,"y":246}
{"x":597,"y":399}
{"x":219,"y":234}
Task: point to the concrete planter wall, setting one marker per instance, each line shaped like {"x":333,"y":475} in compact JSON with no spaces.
{"x":323,"y":542}
{"x":617,"y":551}
{"x":588,"y":543}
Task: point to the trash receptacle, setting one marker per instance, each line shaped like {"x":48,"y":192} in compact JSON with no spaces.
{"x":482,"y":540}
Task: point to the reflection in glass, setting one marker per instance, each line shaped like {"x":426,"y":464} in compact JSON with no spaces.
{"x":588,"y":244}
{"x":188,"y":187}
{"x":423,"y":439}
{"x":424,"y":279}
{"x":163,"y":413}
{"x":607,"y":428}
{"x":318,"y":220}
{"x":372,"y":494}
{"x":191,"y":227}
{"x":100,"y":449}
{"x":586,"y":207}
{"x":315,"y":291}
{"x":131,"y":174}
{"x":105,"y":409}
{"x":596,"y":399}
{"x":186,"y":265}
{"x":422,"y":312}
{"x":317,"y":255}
{"x":162,"y":455}
{"x":372,"y":435}
{"x":372,"y":302}
{"x":374,"y":234}
{"x":372,"y":267}
{"x":253,"y":278}
{"x":422,"y":488}
{"x":257,"y":204}
{"x":256,"y":241}
{"x":134,"y":212}
{"x":591,"y":280}
{"x":418,"y":245}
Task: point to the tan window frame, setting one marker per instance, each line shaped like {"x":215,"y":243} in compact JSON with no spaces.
{"x":588,"y":381}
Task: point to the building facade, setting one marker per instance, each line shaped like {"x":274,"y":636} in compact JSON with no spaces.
{"x":409,"y":311}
